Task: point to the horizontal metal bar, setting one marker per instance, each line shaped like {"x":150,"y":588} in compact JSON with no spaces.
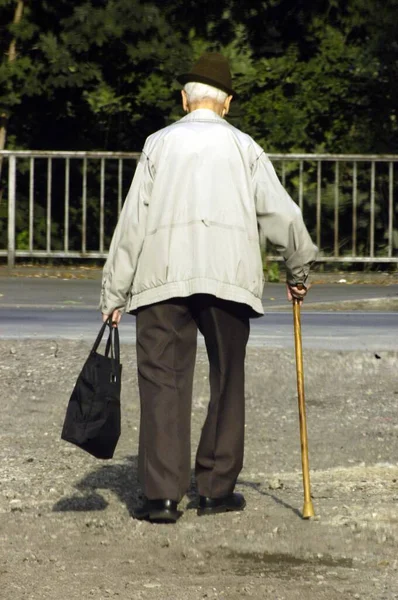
{"x":55,"y":254}
{"x":104,"y":255}
{"x":336,"y":157}
{"x":272,"y":156}
{"x":68,"y":154}
{"x":345,"y":259}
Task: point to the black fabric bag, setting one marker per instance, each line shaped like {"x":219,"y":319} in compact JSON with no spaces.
{"x":92,"y":419}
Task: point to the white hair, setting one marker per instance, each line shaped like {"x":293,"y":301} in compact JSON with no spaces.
{"x":197,"y":92}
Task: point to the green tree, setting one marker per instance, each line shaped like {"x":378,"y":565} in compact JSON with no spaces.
{"x":309,"y":76}
{"x":90,"y":74}
{"x":100,"y":74}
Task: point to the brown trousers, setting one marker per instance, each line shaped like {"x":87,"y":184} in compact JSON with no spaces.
{"x":166,"y":351}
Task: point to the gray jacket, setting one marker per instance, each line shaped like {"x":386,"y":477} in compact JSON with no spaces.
{"x":190,"y":220}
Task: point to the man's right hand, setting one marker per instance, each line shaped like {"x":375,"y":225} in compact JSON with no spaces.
{"x":116,"y":316}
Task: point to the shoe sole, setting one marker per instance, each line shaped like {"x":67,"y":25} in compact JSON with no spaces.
{"x":217,"y":510}
{"x":163,"y":516}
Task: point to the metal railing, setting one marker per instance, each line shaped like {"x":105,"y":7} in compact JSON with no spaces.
{"x":66,"y":204}
{"x":348,"y":202}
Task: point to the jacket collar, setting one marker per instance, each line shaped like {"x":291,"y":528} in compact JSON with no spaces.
{"x":202,"y":114}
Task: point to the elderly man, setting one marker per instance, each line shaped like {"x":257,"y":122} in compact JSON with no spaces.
{"x":185,"y":256}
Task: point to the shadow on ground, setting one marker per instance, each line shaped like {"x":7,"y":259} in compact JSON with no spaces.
{"x":121,"y":479}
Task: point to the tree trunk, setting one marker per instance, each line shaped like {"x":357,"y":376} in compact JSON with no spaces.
{"x":12,"y":53}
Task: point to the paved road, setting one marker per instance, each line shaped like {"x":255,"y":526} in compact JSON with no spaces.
{"x":374,"y":332}
{"x":49,"y":292}
{"x":53,"y":308}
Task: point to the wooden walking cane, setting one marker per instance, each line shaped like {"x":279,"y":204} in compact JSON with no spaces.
{"x":308,"y":510}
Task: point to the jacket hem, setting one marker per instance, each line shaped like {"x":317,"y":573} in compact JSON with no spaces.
{"x":182,"y":289}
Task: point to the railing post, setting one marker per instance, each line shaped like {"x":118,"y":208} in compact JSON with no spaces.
{"x":11,"y":210}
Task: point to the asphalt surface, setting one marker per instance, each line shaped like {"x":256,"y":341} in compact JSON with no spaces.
{"x":338,"y":317}
{"x":48,"y":292}
{"x":334,"y":331}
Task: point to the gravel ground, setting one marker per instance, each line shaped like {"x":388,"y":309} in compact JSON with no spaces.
{"x":319,"y":273}
{"x":66,"y":526}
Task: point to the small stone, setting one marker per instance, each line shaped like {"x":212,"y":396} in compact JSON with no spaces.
{"x":275,"y":484}
{"x":13,"y":351}
{"x":16,"y":505}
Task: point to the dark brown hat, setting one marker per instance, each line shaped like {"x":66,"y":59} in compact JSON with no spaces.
{"x":212,"y":68}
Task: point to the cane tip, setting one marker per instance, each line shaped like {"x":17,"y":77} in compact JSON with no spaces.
{"x":308,"y":511}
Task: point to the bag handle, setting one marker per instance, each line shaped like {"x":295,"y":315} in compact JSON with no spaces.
{"x":100,"y":335}
{"x":112,"y":344}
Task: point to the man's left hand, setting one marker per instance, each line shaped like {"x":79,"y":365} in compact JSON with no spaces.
{"x":296,"y":292}
{"x":116,"y":316}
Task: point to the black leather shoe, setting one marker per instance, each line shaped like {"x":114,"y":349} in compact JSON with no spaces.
{"x":214,"y":506}
{"x":158,"y":511}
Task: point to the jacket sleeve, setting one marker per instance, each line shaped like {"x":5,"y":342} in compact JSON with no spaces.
{"x":127,"y":241}
{"x":281,"y":221}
